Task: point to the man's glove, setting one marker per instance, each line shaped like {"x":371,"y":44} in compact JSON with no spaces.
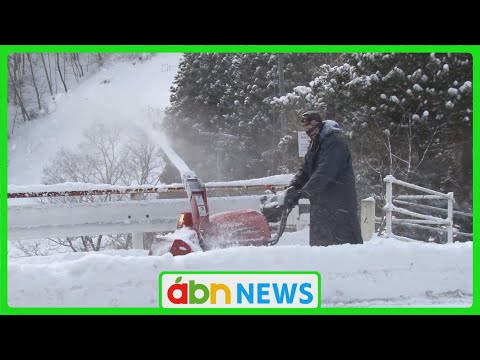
{"x":291,"y":197}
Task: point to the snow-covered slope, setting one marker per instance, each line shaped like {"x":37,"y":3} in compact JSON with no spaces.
{"x":119,"y":94}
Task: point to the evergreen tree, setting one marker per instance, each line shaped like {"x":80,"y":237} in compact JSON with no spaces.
{"x":222,"y":114}
{"x":409,"y":115}
{"x":413,"y":113}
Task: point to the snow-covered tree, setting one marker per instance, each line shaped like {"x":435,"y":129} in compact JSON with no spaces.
{"x":409,"y":115}
{"x":222,"y":114}
{"x":107,"y":156}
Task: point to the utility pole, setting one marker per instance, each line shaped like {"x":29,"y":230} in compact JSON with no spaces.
{"x":281,"y":89}
{"x":219,"y":156}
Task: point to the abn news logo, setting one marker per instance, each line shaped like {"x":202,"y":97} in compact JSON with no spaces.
{"x":181,"y":290}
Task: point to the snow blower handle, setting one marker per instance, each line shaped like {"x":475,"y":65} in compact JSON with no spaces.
{"x":289,"y":197}
{"x":283,"y":223}
{"x":287,"y":200}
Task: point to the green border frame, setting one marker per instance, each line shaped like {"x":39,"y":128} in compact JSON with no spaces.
{"x":5,"y":309}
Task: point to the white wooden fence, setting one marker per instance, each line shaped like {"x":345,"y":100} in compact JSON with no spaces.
{"x":415,"y":220}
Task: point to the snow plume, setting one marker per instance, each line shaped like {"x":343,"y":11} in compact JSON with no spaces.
{"x":116,"y":96}
{"x":148,"y":124}
{"x":176,"y":160}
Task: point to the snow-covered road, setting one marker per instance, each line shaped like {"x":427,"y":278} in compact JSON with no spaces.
{"x":380,"y":273}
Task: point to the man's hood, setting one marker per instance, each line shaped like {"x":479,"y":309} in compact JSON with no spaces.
{"x":329,"y":127}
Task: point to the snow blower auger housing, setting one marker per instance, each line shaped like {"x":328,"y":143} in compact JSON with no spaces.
{"x":198,"y":230}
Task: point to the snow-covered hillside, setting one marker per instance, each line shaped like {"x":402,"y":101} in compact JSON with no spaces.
{"x":119,"y":94}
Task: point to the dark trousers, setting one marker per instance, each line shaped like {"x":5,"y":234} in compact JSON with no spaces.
{"x":333,"y":227}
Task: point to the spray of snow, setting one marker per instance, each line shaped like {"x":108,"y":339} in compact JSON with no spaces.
{"x":149,"y":127}
{"x":115,"y":96}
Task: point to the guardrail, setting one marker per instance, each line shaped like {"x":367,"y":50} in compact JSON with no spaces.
{"x":134,"y":215}
{"x":137,"y":215}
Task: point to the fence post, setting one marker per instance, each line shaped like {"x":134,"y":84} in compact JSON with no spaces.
{"x":450,"y":217}
{"x":367,"y":215}
{"x":388,"y":206}
{"x":137,"y":239}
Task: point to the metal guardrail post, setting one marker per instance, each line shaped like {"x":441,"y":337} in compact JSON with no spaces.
{"x":137,"y":239}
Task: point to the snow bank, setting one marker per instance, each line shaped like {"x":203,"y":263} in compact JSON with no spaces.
{"x":382,"y":272}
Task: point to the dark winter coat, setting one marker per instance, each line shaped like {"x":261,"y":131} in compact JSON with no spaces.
{"x":326,"y":178}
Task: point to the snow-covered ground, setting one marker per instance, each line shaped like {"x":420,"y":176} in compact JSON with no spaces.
{"x":380,"y":273}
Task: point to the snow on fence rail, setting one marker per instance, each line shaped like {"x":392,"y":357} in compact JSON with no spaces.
{"x":63,"y":190}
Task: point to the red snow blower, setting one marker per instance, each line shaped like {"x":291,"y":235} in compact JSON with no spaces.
{"x":198,"y":230}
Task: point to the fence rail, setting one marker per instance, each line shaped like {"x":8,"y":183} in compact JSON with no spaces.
{"x":430,"y":207}
{"x":426,"y":220}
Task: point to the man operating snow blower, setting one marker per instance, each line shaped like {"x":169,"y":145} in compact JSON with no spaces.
{"x":326,"y":178}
